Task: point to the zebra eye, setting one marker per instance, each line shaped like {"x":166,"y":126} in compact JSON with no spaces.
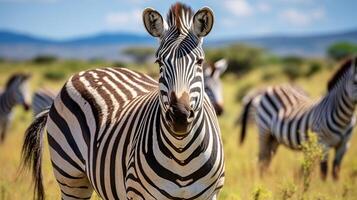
{"x":158,"y":61}
{"x":199,"y":62}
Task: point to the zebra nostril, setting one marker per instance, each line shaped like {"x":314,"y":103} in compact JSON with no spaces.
{"x":191,"y":117}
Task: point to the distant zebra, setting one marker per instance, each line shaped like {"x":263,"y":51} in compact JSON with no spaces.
{"x":213,"y":85}
{"x":124,"y":135}
{"x":16,"y":92}
{"x":284,"y":115}
{"x":41,"y":100}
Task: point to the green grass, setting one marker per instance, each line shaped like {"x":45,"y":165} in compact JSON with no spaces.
{"x":283,"y":180}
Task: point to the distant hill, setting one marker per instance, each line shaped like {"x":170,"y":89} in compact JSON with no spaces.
{"x":108,"y":45}
{"x":310,"y":45}
{"x":7,"y":37}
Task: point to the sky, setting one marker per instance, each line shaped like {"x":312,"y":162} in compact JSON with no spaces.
{"x":65,"y":19}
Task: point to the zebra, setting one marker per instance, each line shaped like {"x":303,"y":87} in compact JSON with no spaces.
{"x":16,"y":92}
{"x":213,"y":85}
{"x":41,"y":100}
{"x":284,"y":115}
{"x":127,"y":136}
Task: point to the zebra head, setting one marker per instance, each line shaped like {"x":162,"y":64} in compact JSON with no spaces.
{"x":180,"y":57}
{"x":213,"y":85}
{"x":17,"y":88}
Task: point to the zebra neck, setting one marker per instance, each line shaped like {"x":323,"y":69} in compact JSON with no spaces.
{"x":337,"y":109}
{"x":7,"y":102}
{"x":180,"y":144}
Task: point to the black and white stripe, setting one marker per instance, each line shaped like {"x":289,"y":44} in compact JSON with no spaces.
{"x":213,"y":85}
{"x":124,"y":135}
{"x":42,"y":99}
{"x":16,"y":92}
{"x":285,"y":115}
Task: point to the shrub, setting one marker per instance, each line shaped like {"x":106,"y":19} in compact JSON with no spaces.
{"x":313,"y":69}
{"x":293,"y":60}
{"x":287,"y":191}
{"x":54,"y":75}
{"x":44,"y":59}
{"x":312,"y":151}
{"x":268,"y":75}
{"x":241,"y":58}
{"x":292,"y":71}
{"x":119,"y":64}
{"x":260,"y":193}
{"x":341,"y":50}
{"x":139,"y":54}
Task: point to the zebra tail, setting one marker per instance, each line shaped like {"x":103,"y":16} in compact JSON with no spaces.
{"x":32,"y":152}
{"x":244,"y":119}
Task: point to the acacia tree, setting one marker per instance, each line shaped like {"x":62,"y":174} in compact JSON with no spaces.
{"x":341,"y":50}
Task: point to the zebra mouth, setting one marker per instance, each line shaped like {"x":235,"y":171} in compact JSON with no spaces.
{"x":179,"y":123}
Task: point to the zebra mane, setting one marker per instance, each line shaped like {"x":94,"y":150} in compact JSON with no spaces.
{"x":14,"y":77}
{"x":345,"y":66}
{"x":180,"y":16}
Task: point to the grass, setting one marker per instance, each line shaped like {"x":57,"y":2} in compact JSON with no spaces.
{"x":283,"y":180}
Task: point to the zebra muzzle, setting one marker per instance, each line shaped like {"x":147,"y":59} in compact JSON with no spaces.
{"x":180,"y":115}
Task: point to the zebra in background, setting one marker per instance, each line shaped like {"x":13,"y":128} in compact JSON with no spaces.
{"x":127,"y":136}
{"x":285,"y":115}
{"x":41,"y":100}
{"x":213,"y":85}
{"x":16,"y":92}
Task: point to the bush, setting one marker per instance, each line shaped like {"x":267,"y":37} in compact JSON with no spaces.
{"x":44,"y":59}
{"x":119,"y":64}
{"x":313,"y":69}
{"x":292,"y":71}
{"x":54,"y":75}
{"x":139,"y":54}
{"x":341,"y":50}
{"x":241,"y":58}
{"x":268,"y":75}
{"x":293,"y":60}
{"x":312,"y":151}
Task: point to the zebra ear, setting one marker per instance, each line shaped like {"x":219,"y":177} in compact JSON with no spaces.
{"x":220,"y":67}
{"x":153,"y":21}
{"x":203,"y":22}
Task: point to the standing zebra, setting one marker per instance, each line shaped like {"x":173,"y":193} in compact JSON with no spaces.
{"x":213,"y":85}
{"x":124,"y":135}
{"x":285,"y":115}
{"x":16,"y":92}
{"x":41,"y":100}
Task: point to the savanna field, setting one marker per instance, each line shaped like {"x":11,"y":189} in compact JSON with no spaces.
{"x":284,"y":179}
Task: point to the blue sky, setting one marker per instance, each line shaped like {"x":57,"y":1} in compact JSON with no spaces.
{"x":62,"y":19}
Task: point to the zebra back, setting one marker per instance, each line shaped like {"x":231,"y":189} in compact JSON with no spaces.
{"x":41,"y":100}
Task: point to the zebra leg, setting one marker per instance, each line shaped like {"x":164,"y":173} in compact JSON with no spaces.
{"x":267,"y":148}
{"x":73,"y":187}
{"x":3,"y":130}
{"x":324,"y":166}
{"x":339,"y":153}
{"x":71,"y":179}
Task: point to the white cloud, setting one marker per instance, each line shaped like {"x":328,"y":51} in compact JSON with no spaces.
{"x":302,"y":18}
{"x":239,"y":7}
{"x":124,"y":20}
